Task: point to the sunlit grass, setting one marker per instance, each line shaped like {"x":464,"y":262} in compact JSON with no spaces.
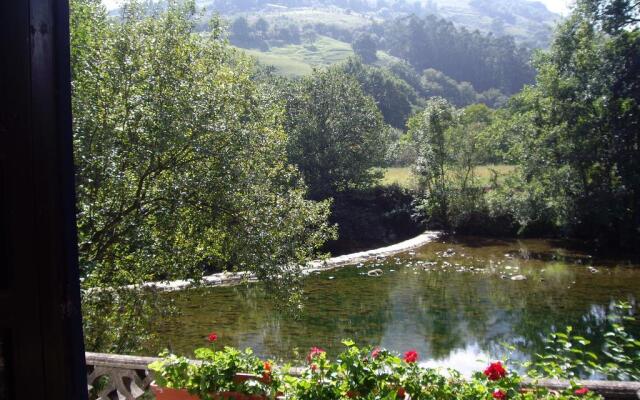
{"x":284,"y":65}
{"x":300,"y":59}
{"x":336,"y":17}
{"x":403,"y":176}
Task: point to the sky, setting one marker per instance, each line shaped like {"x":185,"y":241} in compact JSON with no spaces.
{"x":557,"y":6}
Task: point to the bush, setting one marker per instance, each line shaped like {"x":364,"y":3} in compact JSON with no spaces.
{"x":357,"y":373}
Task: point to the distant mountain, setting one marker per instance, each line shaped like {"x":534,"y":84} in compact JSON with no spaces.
{"x":529,"y":22}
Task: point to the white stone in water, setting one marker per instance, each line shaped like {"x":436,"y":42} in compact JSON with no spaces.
{"x":593,"y":270}
{"x":518,"y":278}
{"x":332,"y":277}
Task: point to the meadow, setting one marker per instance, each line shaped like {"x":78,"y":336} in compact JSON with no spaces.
{"x":403,"y":176}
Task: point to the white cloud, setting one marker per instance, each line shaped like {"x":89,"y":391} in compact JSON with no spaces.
{"x":558,"y":6}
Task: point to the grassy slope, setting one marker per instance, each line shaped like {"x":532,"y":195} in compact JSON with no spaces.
{"x":403,"y":177}
{"x":523,"y":28}
{"x":305,"y":15}
{"x":299,"y":59}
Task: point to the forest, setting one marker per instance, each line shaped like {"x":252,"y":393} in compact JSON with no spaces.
{"x":192,"y":158}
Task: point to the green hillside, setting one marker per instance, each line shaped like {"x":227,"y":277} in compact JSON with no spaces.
{"x":300,"y":59}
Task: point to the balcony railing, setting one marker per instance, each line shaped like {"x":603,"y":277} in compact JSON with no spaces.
{"x":117,"y":377}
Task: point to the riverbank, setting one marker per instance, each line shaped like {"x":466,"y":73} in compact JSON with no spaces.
{"x":229,"y":278}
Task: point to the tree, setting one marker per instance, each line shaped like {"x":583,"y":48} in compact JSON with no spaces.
{"x":575,"y":134}
{"x":337,"y":134}
{"x":429,"y":133}
{"x":450,"y":144}
{"x":393,"y":96}
{"x":612,"y":15}
{"x":181,"y":163}
{"x":261,"y":26}
{"x":240,"y":32}
{"x":483,"y":60}
{"x":366,"y":48}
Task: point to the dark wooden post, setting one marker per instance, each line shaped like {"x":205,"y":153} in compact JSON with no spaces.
{"x":41,"y":347}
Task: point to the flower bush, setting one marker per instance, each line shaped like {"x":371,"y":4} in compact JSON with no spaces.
{"x":216,"y":371}
{"x":357,"y":373}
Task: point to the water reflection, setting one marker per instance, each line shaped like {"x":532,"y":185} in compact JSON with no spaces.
{"x":455,"y":302}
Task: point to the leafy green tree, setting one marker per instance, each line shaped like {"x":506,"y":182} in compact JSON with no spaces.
{"x":261,"y":26}
{"x":575,"y":134}
{"x":366,"y":48}
{"x":181,"y":161}
{"x":394,"y":97}
{"x":613,"y":15}
{"x":337,"y":134}
{"x":485,"y":61}
{"x":429,"y":133}
{"x":450,"y":144}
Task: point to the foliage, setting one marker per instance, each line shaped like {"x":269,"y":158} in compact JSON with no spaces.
{"x":575,"y":133}
{"x":394,"y":97}
{"x":357,"y":373}
{"x":573,"y":137}
{"x":436,"y":84}
{"x":428,"y":131}
{"x":450,"y":146}
{"x":365,"y":46}
{"x":567,"y":355}
{"x":485,"y":61}
{"x":181,"y":159}
{"x":336,"y":133}
{"x":117,"y":320}
{"x":215,"y":372}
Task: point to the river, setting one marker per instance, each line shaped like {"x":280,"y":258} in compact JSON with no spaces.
{"x":456,"y":301}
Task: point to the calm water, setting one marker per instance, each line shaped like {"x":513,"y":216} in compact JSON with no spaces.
{"x":454,"y":301}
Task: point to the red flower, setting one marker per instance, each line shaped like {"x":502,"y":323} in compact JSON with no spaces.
{"x":376,"y":352}
{"x":499,"y":394}
{"x":411,"y":356}
{"x":495,"y":371}
{"x":581,"y":391}
{"x":213,"y":337}
{"x":266,"y":373}
{"x":402,"y":393}
{"x":352,"y":394}
{"x":314,"y":367}
{"x":315,"y":351}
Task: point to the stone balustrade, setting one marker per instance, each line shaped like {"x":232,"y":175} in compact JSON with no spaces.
{"x":118,"y":377}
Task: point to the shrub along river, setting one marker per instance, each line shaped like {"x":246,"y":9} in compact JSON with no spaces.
{"x":455,"y":301}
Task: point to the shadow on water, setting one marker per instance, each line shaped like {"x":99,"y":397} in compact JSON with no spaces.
{"x":455,"y":301}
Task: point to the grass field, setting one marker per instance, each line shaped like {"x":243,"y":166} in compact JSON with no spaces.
{"x":299,"y":59}
{"x":333,"y":16}
{"x":403,"y":176}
